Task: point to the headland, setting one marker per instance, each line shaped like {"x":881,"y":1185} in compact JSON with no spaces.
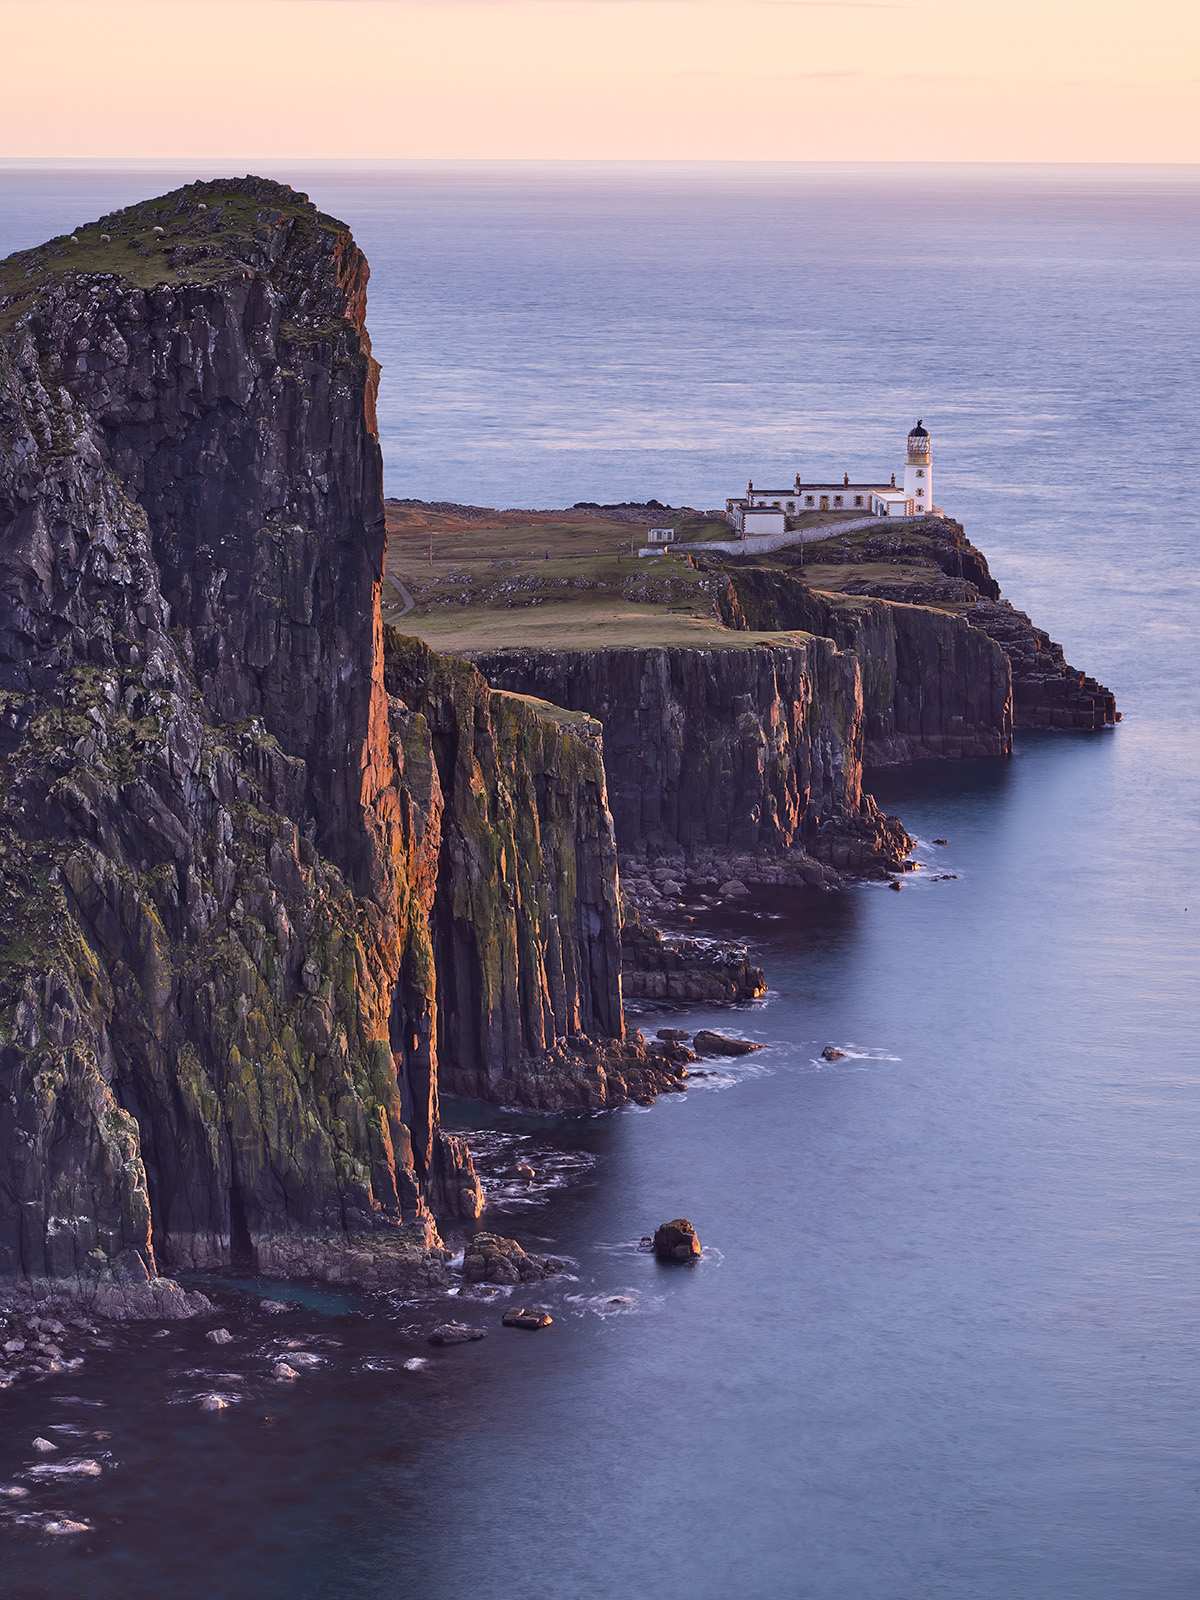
{"x":277,"y":874}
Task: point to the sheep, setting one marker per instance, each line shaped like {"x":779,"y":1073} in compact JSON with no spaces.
{"x":160,"y":230}
{"x":202,"y":206}
{"x":74,"y":238}
{"x":106,"y":238}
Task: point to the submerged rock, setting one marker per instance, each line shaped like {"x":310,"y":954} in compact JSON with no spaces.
{"x":676,"y":1241}
{"x":832,"y":1053}
{"x":450,"y":1333}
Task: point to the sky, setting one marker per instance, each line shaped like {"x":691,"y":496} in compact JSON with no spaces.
{"x":765,"y":80}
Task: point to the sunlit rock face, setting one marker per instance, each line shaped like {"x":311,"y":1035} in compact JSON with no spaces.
{"x":219,"y":840}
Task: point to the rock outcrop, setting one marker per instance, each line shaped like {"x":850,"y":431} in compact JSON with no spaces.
{"x":216,"y":830}
{"x":946,"y":697}
{"x":750,"y":751}
{"x":676,"y":1241}
{"x":249,"y":891}
{"x":933,"y":686}
{"x":656,"y":967}
{"x":526,"y":919}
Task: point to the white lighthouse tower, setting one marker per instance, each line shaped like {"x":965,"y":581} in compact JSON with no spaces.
{"x":918,"y":471}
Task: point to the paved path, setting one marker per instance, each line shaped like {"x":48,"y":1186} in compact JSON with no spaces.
{"x":409,"y":602}
{"x":761,"y":544}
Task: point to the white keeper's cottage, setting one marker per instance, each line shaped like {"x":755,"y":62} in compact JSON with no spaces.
{"x":768,"y":510}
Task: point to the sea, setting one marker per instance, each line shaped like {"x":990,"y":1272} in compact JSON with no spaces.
{"x":944,"y":1340}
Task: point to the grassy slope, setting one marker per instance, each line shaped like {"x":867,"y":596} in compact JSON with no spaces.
{"x":490,"y":585}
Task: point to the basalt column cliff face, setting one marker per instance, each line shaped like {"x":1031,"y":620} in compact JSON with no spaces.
{"x":933,"y":687}
{"x":225,"y":849}
{"x":738,"y":753}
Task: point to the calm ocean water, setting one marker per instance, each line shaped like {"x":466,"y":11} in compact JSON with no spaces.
{"x":946,"y":1341}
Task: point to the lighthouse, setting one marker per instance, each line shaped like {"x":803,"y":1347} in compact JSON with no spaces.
{"x":918,"y":472}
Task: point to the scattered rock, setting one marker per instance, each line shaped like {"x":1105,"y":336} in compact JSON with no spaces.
{"x":735,"y":889}
{"x":676,"y":1241}
{"x":213,"y":1402}
{"x":304,"y":1358}
{"x":14,"y":1491}
{"x":673,"y":1035}
{"x":525,"y":1317}
{"x":941,"y":841}
{"x":65,"y":1525}
{"x":832,"y":1053}
{"x":284,"y":1373}
{"x":719,"y":1044}
{"x":896,"y":884}
{"x":219,"y":1336}
{"x":456,"y":1333}
{"x":522,"y":1169}
{"x":44,"y":1446}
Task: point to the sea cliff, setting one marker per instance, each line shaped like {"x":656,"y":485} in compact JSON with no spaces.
{"x":275,"y":877}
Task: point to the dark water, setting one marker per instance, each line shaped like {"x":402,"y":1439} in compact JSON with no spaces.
{"x":945,"y":1340}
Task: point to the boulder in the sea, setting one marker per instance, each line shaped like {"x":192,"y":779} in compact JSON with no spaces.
{"x":219,"y":1336}
{"x":707,"y":1043}
{"x":673,"y":1035}
{"x":832,"y":1053}
{"x":522,"y":1169}
{"x":456,"y":1333}
{"x":735,"y":889}
{"x":941,"y":841}
{"x":895,"y":884}
{"x":491,"y":1258}
{"x":676,"y":1241}
{"x":284,"y":1373}
{"x":44,"y":1446}
{"x":213,"y":1402}
{"x":526,"y":1317}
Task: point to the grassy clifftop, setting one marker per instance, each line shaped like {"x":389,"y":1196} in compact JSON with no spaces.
{"x":208,"y":230}
{"x":548,"y":580}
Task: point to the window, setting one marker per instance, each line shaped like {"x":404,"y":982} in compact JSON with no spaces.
{"x":808,"y":500}
{"x":837,"y":500}
{"x":775,"y":503}
{"x":791,"y":505}
{"x":920,"y":472}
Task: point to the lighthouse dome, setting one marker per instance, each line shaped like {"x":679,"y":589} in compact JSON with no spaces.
{"x":918,"y":443}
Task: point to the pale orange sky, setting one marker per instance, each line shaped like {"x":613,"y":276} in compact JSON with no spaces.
{"x":825,"y":80}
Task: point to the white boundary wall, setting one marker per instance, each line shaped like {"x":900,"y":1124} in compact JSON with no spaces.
{"x":763,"y":543}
